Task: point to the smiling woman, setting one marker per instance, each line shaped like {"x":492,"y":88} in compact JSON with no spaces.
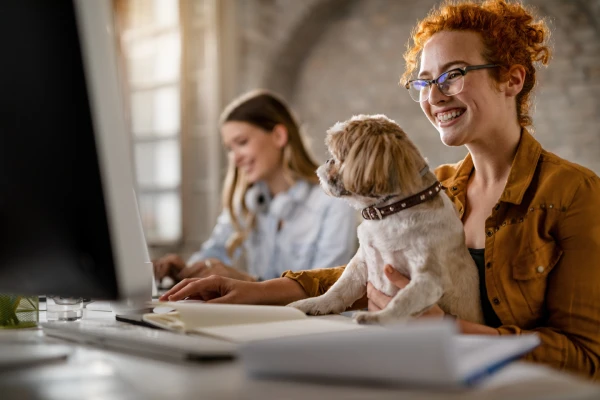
{"x":273,"y":208}
{"x":530,"y":218}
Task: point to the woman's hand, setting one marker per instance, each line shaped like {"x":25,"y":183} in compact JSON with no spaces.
{"x":378,"y":300}
{"x":212,"y":267}
{"x":173,"y":266}
{"x":217,"y":289}
{"x":169,"y":265}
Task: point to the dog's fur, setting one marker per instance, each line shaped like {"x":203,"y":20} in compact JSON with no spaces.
{"x":373,"y":159}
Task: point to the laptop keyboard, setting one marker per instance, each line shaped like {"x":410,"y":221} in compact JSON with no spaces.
{"x":142,"y":340}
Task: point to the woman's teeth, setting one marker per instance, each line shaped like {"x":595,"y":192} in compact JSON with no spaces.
{"x":447,"y":116}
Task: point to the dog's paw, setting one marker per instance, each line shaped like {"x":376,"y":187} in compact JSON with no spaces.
{"x":318,"y":306}
{"x":366,"y":318}
{"x":382,"y":317}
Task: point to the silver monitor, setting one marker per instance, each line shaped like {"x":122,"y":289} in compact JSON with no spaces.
{"x":69,"y":224}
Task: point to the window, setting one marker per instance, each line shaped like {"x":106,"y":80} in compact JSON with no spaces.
{"x":151,"y":48}
{"x":178,"y":59}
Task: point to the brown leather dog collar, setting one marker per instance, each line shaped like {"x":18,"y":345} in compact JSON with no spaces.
{"x":372,"y":212}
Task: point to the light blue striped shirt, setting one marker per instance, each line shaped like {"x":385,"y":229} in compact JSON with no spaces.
{"x":317,"y":231}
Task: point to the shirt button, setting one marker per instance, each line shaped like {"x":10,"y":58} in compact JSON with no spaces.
{"x":490,"y":232}
{"x":540,"y":269}
{"x":454,"y":188}
{"x":496,"y":301}
{"x":551,"y":206}
{"x":504,"y":223}
{"x":531,"y":209}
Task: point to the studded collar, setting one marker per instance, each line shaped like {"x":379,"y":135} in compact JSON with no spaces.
{"x":372,"y":212}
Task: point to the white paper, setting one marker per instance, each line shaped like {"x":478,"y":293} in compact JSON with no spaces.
{"x":199,"y":315}
{"x":428,"y":353}
{"x":272,"y":330}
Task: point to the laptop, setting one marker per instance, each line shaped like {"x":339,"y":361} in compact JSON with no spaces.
{"x":129,"y":333}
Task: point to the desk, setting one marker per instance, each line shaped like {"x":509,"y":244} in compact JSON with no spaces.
{"x":92,"y":373}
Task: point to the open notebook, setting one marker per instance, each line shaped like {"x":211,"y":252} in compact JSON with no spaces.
{"x":418,"y":353}
{"x":244,"y":323}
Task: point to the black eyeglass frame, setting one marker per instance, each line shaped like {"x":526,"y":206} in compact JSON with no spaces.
{"x":462,"y":70}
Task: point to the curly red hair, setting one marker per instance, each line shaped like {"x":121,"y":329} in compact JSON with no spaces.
{"x":510,"y":32}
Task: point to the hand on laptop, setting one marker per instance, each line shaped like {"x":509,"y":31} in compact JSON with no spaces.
{"x":169,"y":265}
{"x":173,"y":266}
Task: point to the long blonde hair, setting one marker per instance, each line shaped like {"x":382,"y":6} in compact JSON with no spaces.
{"x":264,"y":110}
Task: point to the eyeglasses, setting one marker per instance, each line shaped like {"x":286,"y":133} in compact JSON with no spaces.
{"x":450,"y":83}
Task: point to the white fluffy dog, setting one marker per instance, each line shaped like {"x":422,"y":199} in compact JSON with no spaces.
{"x":409,"y":223}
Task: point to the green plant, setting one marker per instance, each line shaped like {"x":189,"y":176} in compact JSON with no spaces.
{"x":18,"y":311}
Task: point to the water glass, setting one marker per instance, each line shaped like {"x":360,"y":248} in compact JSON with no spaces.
{"x":64,"y":308}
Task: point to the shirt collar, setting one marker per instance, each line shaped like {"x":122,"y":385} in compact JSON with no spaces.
{"x":258,"y":199}
{"x":521,"y":171}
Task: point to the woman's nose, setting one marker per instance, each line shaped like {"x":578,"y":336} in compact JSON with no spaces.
{"x":435,"y":95}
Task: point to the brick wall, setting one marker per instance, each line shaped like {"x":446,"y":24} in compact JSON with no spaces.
{"x":335,"y":58}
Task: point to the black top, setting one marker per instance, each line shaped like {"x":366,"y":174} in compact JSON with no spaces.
{"x":489,"y":315}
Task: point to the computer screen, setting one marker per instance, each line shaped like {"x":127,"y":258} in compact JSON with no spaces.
{"x":69,"y":224}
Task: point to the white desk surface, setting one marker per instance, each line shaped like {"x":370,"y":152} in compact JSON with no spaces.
{"x":93,"y":373}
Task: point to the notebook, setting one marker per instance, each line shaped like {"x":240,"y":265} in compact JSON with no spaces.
{"x":244,"y":323}
{"x":419,"y":353}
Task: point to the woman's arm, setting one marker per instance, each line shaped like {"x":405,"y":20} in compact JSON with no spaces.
{"x":217,"y":289}
{"x":571,"y":329}
{"x":317,"y":281}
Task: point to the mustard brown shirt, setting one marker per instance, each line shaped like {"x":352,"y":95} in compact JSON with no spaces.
{"x":542,"y":255}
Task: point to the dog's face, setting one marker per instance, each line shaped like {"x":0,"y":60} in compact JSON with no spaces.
{"x":371,"y":158}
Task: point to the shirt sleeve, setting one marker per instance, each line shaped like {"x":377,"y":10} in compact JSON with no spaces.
{"x":214,"y":247}
{"x":337,"y":241}
{"x":571,"y":333}
{"x":315,"y":282}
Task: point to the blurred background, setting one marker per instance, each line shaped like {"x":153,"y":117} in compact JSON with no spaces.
{"x":183,"y":60}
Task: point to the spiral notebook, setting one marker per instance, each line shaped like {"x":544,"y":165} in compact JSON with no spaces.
{"x":244,"y":323}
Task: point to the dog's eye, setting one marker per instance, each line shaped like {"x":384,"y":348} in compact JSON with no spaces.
{"x":330,"y":161}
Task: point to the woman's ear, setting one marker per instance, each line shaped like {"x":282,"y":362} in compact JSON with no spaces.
{"x":280,"y":135}
{"x":516,"y":79}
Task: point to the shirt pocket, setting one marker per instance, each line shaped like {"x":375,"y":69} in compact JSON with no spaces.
{"x":531,"y":273}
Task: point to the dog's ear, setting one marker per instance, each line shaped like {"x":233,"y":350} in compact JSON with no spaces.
{"x":381,"y":160}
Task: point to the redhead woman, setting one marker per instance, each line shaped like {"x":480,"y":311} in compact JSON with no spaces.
{"x":531,"y":219}
{"x":275,"y":214}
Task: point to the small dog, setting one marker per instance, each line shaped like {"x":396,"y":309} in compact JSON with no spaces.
{"x":410,"y":223}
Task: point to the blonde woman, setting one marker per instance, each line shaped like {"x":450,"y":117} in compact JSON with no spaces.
{"x":273,"y":208}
